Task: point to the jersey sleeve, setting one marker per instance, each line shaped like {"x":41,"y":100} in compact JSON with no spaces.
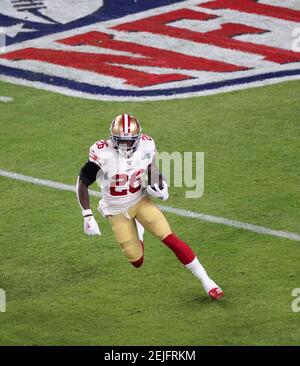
{"x":96,"y":153}
{"x":94,"y":157}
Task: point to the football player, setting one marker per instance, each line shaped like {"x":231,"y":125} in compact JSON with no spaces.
{"x":119,"y":164}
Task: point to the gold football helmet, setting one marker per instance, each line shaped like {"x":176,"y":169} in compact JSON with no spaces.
{"x":125,"y":133}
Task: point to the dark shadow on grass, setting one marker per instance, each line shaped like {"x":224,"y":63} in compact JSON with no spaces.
{"x":196,"y":301}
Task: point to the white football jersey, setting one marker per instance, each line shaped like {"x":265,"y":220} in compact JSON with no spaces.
{"x":120,"y":178}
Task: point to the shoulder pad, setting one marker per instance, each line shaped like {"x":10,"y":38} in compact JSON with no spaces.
{"x":148,"y":146}
{"x":96,"y":152}
{"x":148,"y":142}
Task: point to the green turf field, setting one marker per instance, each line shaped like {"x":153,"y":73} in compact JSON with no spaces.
{"x":64,"y":288}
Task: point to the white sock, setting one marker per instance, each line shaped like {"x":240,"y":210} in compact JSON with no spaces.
{"x":198,"y":271}
{"x":140,"y":229}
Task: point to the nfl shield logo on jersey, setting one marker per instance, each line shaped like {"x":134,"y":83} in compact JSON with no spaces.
{"x":137,"y":50}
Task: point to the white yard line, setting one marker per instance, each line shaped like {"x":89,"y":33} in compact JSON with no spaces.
{"x":232,"y":223}
{"x":6,"y":99}
{"x":176,"y":211}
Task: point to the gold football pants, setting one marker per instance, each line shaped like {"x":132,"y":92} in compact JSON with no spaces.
{"x":125,"y":230}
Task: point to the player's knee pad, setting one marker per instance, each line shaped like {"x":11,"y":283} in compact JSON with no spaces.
{"x":133,"y":250}
{"x":159,"y":227}
{"x":157,"y":224}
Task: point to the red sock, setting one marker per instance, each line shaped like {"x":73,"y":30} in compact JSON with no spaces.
{"x":140,"y":261}
{"x":182,"y":251}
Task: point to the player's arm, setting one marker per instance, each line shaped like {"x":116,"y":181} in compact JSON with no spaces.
{"x":87,"y":176}
{"x":157,"y":185}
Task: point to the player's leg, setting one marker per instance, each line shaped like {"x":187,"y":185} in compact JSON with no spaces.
{"x":126,"y":234}
{"x":154,"y":221}
{"x":191,"y":262}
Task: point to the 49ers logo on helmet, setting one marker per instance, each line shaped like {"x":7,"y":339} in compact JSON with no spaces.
{"x":148,"y":49}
